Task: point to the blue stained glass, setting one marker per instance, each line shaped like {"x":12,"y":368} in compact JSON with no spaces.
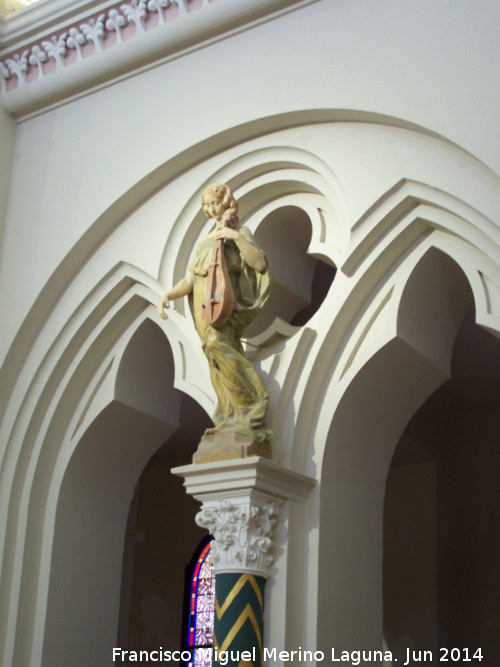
{"x":201,"y":610}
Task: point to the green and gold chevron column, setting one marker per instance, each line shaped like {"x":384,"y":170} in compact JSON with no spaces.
{"x":239,"y":618}
{"x":242,"y":500}
{"x":241,"y":553}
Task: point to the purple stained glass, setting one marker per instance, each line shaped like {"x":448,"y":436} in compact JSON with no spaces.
{"x":205,"y":603}
{"x":202,"y":637}
{"x":206,"y":571}
{"x":205,"y":587}
{"x":205,"y":619}
{"x":202,"y":658}
{"x":201,"y":621}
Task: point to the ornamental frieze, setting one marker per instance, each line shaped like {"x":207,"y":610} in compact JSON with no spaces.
{"x":95,"y":34}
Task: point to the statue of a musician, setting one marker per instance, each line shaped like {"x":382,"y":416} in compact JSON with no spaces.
{"x":228,"y":268}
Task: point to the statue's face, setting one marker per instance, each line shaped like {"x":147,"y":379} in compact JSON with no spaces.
{"x":213,"y":206}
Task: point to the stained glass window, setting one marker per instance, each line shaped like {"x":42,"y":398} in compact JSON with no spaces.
{"x":200,"y":626}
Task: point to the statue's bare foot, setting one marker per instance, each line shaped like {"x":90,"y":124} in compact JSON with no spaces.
{"x":211,"y":430}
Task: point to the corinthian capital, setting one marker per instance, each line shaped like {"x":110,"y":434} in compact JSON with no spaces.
{"x":243,"y":531}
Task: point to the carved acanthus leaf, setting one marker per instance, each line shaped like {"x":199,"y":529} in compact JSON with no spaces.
{"x":18,"y":66}
{"x":243,"y":534}
{"x":38,"y":57}
{"x":115,"y":22}
{"x":159,"y":6}
{"x":94,"y":31}
{"x":56,"y":48}
{"x":136,"y":13}
{"x":75,"y":40}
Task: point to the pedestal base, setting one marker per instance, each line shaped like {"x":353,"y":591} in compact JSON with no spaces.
{"x":223,"y":445}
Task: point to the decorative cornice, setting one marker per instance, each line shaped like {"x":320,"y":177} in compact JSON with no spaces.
{"x":63,"y":39}
{"x":235,"y":477}
{"x":243,"y":531}
{"x":97,"y":30}
{"x":44,"y":18}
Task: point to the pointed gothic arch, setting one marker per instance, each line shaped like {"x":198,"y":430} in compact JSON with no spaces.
{"x":64,"y":384}
{"x":441,"y":504}
{"x":366,"y":425}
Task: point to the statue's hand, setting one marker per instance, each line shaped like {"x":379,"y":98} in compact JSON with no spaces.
{"x":164,"y":303}
{"x":227,"y":217}
{"x":227,"y":233}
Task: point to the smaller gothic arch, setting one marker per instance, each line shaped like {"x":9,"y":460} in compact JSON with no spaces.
{"x":139,"y":409}
{"x":368,"y":421}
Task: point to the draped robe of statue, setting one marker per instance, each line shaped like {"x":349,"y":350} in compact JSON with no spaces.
{"x":242,"y":396}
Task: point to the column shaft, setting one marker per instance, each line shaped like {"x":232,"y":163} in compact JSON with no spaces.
{"x":239,"y":619}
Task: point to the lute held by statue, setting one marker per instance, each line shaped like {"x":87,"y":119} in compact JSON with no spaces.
{"x":217,"y":305}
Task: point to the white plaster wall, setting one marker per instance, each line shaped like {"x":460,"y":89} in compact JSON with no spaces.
{"x":433,"y":66}
{"x":7,"y":140}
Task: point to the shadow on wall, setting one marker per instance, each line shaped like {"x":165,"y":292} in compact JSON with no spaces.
{"x":300,"y":282}
{"x":161,"y":538}
{"x":368,"y":422}
{"x":442,"y":511}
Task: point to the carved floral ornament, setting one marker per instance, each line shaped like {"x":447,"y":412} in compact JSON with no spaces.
{"x":243,"y":534}
{"x":56,"y":49}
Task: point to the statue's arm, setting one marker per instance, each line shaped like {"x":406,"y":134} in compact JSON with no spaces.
{"x":249,"y":251}
{"x":182,"y":288}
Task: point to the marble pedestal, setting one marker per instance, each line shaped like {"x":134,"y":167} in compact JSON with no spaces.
{"x":224,"y":445}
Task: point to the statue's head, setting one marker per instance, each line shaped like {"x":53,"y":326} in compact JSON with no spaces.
{"x":224,"y":195}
